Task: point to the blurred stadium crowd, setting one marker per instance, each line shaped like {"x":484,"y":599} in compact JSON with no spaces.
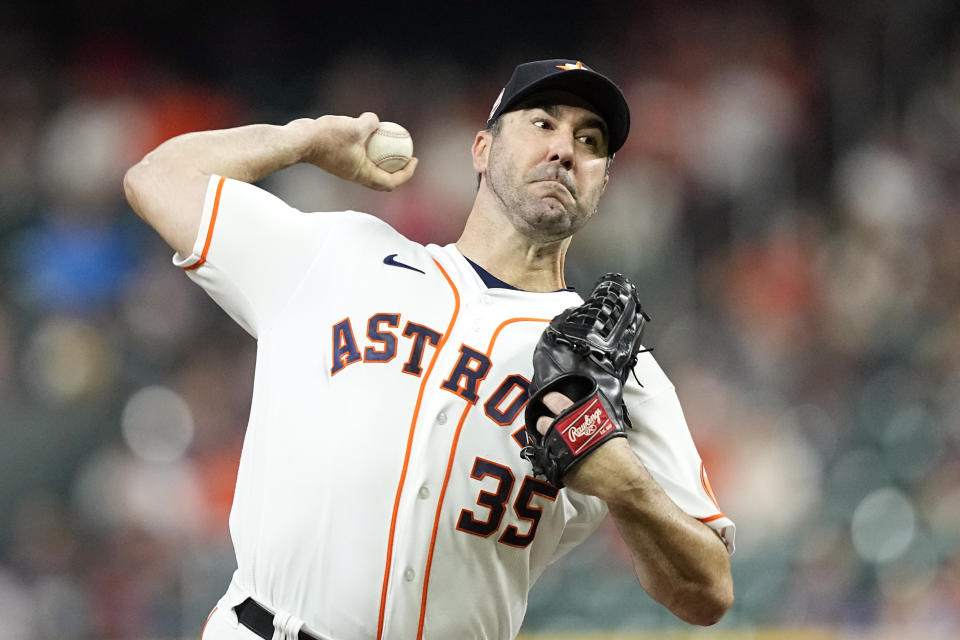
{"x":789,"y":203}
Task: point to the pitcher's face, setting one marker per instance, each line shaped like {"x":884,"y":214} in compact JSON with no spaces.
{"x":547,"y":166}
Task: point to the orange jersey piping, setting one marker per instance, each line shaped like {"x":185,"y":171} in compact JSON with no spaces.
{"x":712,"y":518}
{"x":213,"y":221}
{"x":446,"y":477}
{"x":406,"y":455}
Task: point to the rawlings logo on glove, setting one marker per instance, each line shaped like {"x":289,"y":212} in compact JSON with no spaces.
{"x":593,"y":421}
{"x":586,"y":354}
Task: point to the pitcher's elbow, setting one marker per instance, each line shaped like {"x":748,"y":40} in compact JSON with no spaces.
{"x":710,"y":605}
{"x":132,"y":180}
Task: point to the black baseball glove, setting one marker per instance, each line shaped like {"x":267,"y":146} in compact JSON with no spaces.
{"x":586,"y":353}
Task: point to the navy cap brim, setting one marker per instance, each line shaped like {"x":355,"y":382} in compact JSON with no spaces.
{"x":594,"y":88}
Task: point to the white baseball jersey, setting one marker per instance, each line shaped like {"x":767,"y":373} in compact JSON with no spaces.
{"x":381,"y":492}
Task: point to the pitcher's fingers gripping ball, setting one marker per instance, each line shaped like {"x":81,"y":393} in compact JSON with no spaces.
{"x":586,"y":354}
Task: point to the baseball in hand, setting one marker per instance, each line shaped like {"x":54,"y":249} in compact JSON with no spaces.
{"x":390,"y":147}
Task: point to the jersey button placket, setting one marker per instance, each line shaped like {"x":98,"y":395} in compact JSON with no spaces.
{"x":441,"y":418}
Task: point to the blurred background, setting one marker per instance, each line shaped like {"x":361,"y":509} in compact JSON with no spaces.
{"x":789,"y":202}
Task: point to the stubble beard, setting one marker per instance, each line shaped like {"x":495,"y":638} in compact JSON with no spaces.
{"x":541,"y":219}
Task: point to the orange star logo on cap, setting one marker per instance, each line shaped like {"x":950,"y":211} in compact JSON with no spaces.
{"x":570,"y":66}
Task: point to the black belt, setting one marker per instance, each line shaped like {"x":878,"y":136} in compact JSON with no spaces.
{"x":255,"y":617}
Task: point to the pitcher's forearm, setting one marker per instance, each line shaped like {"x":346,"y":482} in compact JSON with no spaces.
{"x":679,"y":560}
{"x":168,"y":186}
{"x":247,"y":153}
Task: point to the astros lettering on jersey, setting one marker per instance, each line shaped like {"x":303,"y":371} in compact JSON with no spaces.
{"x":380,"y":492}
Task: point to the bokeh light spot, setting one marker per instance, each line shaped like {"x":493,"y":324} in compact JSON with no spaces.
{"x":884,"y":524}
{"x":157,"y":424}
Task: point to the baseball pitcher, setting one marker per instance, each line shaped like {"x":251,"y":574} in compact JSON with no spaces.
{"x":432,"y":426}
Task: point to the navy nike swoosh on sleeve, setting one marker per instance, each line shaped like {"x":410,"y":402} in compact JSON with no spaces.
{"x":390,"y":260}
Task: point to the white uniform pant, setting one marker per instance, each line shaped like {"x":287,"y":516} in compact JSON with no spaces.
{"x":218,"y":627}
{"x":222,"y":625}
